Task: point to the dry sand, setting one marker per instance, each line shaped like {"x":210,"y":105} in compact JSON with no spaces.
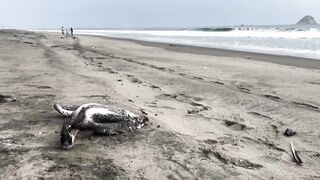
{"x":212,"y":116}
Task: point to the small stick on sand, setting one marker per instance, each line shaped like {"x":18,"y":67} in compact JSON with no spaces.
{"x":295,"y":155}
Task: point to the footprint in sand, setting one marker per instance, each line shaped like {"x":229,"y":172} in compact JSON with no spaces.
{"x":236,"y":126}
{"x":44,"y":87}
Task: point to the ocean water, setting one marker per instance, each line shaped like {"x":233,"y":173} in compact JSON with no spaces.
{"x":281,"y":40}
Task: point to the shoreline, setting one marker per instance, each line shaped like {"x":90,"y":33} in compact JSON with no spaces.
{"x":301,"y":62}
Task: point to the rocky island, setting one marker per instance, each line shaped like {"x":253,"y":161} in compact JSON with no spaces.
{"x":307,"y":20}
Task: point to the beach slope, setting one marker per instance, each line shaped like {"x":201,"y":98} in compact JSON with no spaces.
{"x":211,"y":116}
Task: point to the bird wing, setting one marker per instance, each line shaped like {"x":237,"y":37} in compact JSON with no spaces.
{"x":64,"y":110}
{"x":108,"y":118}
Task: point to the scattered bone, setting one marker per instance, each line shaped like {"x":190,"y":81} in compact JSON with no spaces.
{"x":295,"y":155}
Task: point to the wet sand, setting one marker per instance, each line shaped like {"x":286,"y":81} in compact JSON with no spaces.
{"x":213,"y":114}
{"x":278,"y":59}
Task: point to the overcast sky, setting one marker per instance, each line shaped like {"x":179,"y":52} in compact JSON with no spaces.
{"x":152,"y":13}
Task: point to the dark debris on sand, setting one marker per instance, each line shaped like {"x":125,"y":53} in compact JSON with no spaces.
{"x":7,"y":98}
{"x":289,"y":132}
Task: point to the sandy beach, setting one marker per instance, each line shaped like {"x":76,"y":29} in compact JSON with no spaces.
{"x":214,"y":114}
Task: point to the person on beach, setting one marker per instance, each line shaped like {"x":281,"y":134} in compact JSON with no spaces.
{"x":71,"y":31}
{"x":62,"y":32}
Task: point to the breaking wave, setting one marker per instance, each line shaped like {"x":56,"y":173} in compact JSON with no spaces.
{"x":283,"y":40}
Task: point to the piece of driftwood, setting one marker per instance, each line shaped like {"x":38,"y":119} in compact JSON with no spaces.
{"x":295,"y":155}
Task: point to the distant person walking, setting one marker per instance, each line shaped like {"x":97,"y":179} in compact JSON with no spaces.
{"x":71,"y":31}
{"x":62,"y":32}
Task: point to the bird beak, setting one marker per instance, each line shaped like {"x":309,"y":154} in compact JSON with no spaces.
{"x":74,"y":132}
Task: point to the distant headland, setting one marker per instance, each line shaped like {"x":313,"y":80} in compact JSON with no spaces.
{"x":307,"y":20}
